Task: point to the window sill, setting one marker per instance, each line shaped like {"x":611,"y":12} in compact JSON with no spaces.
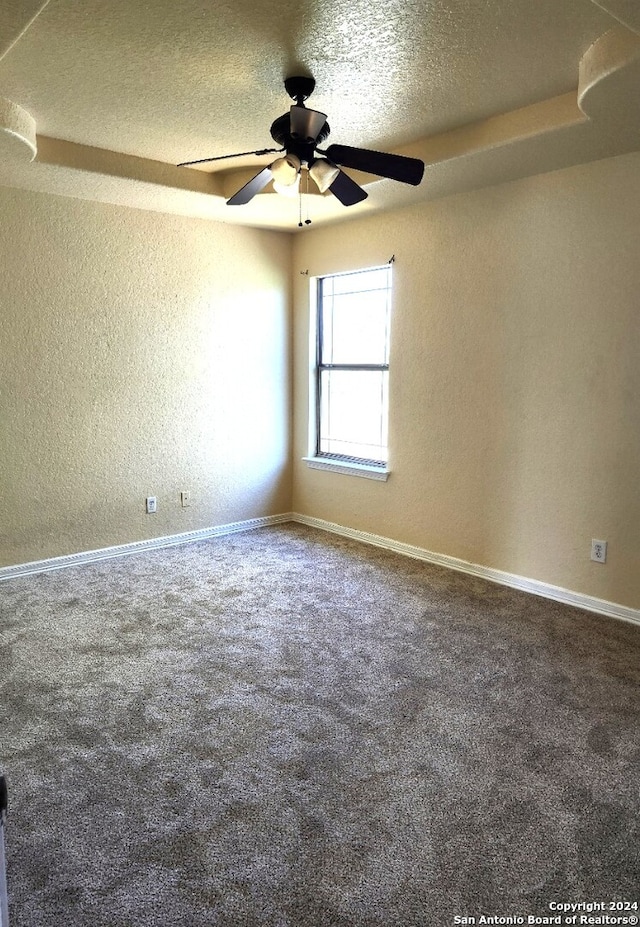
{"x":351,"y":469}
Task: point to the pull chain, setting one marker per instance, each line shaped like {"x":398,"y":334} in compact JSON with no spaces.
{"x":307,"y":221}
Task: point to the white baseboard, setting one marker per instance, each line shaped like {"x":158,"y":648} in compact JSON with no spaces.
{"x":533,"y":586}
{"x":545,"y":590}
{"x":136,"y":547}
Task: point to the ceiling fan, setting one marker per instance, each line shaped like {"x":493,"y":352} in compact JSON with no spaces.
{"x":299,"y":133}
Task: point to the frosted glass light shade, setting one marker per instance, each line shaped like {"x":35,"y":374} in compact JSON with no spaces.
{"x":286,"y":170}
{"x":288,"y":189}
{"x":323,"y":173}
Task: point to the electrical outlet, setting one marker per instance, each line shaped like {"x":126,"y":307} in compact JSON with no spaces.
{"x":598,"y":551}
{"x":152,"y":505}
{"x":185,"y":499}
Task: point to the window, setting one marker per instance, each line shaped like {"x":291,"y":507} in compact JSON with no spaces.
{"x":352,"y":367}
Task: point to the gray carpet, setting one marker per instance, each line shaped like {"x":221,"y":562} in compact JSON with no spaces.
{"x":289,"y":729}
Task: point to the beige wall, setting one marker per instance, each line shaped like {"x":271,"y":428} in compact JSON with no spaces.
{"x":515,"y":379}
{"x":140,"y":354}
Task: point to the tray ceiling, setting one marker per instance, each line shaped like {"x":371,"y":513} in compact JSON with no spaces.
{"x":482,"y":90}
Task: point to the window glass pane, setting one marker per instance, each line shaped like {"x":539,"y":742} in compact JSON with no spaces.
{"x":354,"y":413}
{"x":355,"y":328}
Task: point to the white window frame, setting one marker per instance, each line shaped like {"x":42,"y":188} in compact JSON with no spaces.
{"x":315,"y":459}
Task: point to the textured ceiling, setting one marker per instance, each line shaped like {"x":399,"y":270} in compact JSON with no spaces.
{"x":482,"y":90}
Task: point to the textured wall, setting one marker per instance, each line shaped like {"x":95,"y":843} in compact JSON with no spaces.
{"x":515,"y":380}
{"x":145,"y":354}
{"x":140,"y":354}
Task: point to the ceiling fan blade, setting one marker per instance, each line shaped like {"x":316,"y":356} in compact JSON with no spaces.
{"x":255,"y":185}
{"x":238,"y":154}
{"x":306,"y":124}
{"x":393,"y":166}
{"x":347,"y":190}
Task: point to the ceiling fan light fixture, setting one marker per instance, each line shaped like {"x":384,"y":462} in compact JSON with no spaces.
{"x":323,"y":173}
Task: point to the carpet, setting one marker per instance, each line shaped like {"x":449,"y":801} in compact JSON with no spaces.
{"x":284,"y":728}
